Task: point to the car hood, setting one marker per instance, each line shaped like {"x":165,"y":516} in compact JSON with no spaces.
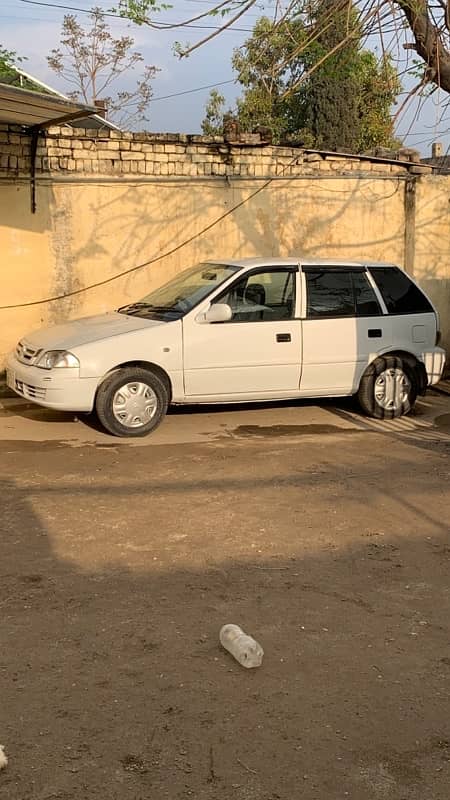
{"x":86,"y":330}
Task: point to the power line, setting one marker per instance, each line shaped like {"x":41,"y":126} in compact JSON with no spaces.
{"x":156,"y":25}
{"x":190,"y":91}
{"x":213,"y":3}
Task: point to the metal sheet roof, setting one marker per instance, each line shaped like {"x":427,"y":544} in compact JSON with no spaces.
{"x":22,"y":79}
{"x":22,"y":107}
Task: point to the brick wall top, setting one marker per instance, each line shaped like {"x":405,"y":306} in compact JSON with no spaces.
{"x":78,"y":151}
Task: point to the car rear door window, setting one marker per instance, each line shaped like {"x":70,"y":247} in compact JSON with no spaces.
{"x":366,"y":302}
{"x":329,"y":293}
{"x":399,"y":293}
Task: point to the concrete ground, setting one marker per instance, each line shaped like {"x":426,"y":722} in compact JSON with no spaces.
{"x":323,"y":533}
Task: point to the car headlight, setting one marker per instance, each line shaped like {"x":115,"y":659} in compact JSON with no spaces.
{"x":57,"y":358}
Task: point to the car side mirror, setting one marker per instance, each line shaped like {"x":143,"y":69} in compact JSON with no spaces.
{"x":217,"y":312}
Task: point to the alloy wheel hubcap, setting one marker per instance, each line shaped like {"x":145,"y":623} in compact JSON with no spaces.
{"x":134,"y":404}
{"x":392,"y":389}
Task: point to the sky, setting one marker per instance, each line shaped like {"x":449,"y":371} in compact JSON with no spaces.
{"x":32,"y":30}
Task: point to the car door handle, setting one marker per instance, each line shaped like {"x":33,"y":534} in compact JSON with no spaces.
{"x":374,"y":333}
{"x":283,"y":337}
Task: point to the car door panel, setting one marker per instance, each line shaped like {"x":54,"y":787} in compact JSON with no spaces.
{"x":236,"y":358}
{"x":339,"y":340}
{"x":337,"y":351}
{"x":254,"y":357}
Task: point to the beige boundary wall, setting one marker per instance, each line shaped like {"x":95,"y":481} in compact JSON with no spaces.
{"x":107,"y":203}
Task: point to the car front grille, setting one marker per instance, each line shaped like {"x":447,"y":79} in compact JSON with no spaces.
{"x":26,"y":354}
{"x":29,"y":391}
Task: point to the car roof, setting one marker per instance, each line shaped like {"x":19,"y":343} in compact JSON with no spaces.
{"x":304,"y":261}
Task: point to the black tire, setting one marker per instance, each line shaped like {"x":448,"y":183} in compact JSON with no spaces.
{"x":405,"y":388}
{"x":152,"y":393}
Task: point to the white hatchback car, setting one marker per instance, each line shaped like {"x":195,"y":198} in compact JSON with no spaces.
{"x":236,"y":331}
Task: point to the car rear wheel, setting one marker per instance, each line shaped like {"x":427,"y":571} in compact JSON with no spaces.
{"x":388,"y":388}
{"x":131,"y":402}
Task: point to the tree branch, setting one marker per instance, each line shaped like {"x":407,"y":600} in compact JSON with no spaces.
{"x":222,"y":28}
{"x":428,"y":42}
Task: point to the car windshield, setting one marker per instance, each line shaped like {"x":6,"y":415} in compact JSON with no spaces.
{"x":182,"y":293}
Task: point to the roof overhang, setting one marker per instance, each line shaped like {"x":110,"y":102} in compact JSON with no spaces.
{"x":38,"y":110}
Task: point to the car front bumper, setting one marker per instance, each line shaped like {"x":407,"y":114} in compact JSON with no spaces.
{"x":60,"y":388}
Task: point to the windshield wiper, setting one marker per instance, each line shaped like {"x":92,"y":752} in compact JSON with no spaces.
{"x":132,"y":307}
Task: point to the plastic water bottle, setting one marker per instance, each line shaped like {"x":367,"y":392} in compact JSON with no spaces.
{"x":3,"y":758}
{"x":244,"y":648}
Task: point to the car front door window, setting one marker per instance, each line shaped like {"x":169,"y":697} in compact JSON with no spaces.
{"x":262,"y":296}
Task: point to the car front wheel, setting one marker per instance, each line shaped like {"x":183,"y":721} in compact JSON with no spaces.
{"x":388,"y":388}
{"x":131,"y":402}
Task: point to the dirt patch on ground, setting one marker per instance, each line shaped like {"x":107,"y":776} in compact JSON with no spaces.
{"x":118,"y":570}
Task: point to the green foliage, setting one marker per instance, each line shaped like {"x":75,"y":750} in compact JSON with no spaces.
{"x":330,"y":99}
{"x":138,"y":10}
{"x":347,"y":101}
{"x":379,"y":85}
{"x":212,"y":124}
{"x":8,"y":61}
{"x":9,"y":64}
{"x":323,"y":90}
{"x":267,"y":68}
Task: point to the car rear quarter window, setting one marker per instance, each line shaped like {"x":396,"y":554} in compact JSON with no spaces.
{"x":400,"y":294}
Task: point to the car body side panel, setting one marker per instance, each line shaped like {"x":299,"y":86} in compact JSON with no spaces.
{"x":159,"y":344}
{"x":337,"y":351}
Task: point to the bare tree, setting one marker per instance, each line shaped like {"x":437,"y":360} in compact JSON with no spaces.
{"x":92,"y":61}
